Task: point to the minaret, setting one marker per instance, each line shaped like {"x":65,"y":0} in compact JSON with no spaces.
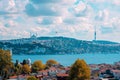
{"x":11,"y":52}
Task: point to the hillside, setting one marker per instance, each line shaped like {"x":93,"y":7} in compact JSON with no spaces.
{"x":58,"y":45}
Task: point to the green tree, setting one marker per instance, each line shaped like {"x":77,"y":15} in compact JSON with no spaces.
{"x":37,"y":66}
{"x":51,"y":62}
{"x":24,"y":62}
{"x":32,"y":78}
{"x":18,"y":69}
{"x":26,"y":69}
{"x":79,"y":71}
{"x":6,"y":64}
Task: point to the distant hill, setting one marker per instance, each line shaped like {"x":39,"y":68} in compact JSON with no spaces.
{"x":104,"y":42}
{"x":58,"y":45}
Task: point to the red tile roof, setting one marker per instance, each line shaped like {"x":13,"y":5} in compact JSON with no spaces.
{"x":38,"y":75}
{"x":13,"y":77}
{"x":52,"y":68}
{"x":62,"y":75}
{"x":44,"y":71}
{"x":116,"y":71}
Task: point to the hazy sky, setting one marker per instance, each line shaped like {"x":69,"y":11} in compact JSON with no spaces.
{"x":69,"y":18}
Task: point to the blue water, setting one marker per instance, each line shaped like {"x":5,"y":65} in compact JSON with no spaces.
{"x":67,"y":60}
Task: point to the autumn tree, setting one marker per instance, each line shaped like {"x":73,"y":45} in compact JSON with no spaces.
{"x":32,"y":78}
{"x":37,"y":66}
{"x":26,"y":69}
{"x":6,"y":64}
{"x":79,"y":71}
{"x":51,"y":62}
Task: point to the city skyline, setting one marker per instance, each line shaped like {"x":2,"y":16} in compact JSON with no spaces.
{"x":69,"y":18}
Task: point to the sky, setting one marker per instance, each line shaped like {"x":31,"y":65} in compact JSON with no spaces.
{"x":69,"y":18}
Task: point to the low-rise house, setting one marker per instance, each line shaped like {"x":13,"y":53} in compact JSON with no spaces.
{"x":49,"y":78}
{"x":94,"y":74}
{"x":61,"y":71}
{"x":52,"y":71}
{"x":67,"y":69}
{"x":116,"y":74}
{"x":19,"y":77}
{"x":13,"y":78}
{"x":43,"y":72}
{"x":117,"y":63}
{"x":107,"y":75}
{"x":39,"y":77}
{"x":0,"y":78}
{"x":62,"y":76}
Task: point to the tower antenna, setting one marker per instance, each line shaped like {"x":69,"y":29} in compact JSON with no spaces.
{"x":95,"y":34}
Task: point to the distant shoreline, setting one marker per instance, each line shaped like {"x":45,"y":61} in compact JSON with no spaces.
{"x":67,"y":54}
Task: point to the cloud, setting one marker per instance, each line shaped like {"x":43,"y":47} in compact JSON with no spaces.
{"x":44,"y":1}
{"x":49,"y":20}
{"x":41,"y":10}
{"x":116,"y":2}
{"x":79,"y":9}
{"x":97,"y":1}
{"x":7,"y":6}
{"x":11,"y":23}
{"x":13,"y":6}
{"x":3,"y":12}
{"x":106,"y":29}
{"x":63,"y":2}
{"x":102,"y":15}
{"x":48,"y":8}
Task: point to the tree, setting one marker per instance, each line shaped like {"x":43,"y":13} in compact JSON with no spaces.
{"x":6,"y":64}
{"x":32,"y":78}
{"x":17,"y":67}
{"x":51,"y":62}
{"x":79,"y":71}
{"x":26,"y":69}
{"x":37,"y":66}
{"x":24,"y":62}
